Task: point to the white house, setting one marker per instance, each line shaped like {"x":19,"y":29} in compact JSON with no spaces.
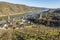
{"x":5,"y":25}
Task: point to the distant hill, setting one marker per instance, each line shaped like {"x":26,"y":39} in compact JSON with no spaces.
{"x":53,"y":11}
{"x":12,"y":9}
{"x":57,"y":11}
{"x":6,"y":8}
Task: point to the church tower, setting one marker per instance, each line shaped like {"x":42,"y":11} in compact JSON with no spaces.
{"x":40,"y":15}
{"x":8,"y":18}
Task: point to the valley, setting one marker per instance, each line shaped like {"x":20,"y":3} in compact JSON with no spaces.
{"x":21,"y":22}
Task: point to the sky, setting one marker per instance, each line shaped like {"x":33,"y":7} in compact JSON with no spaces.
{"x":37,"y":3}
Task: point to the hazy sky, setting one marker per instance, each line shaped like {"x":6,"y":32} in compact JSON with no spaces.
{"x":37,"y":3}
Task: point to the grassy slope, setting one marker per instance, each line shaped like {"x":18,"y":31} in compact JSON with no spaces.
{"x":28,"y":33}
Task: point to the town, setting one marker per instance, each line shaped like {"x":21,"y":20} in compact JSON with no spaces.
{"x":46,"y":19}
{"x":18,"y":22}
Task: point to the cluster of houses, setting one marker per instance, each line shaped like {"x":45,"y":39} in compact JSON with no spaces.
{"x":22,"y":22}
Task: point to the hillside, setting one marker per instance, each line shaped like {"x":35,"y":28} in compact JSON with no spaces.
{"x":12,"y":9}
